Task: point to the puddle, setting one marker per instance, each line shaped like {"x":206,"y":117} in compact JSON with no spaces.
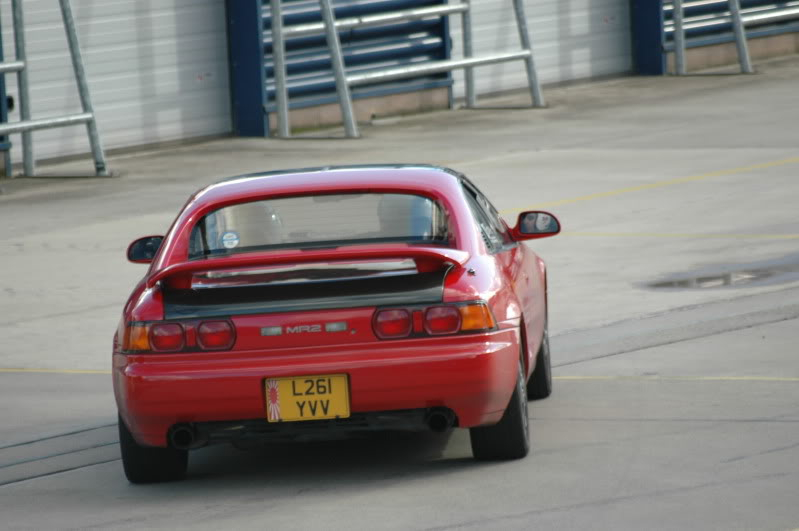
{"x":772,"y":272}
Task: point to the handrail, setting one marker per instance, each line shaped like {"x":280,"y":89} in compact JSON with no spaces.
{"x":694,"y":4}
{"x":331,"y":27}
{"x":26,"y":125}
{"x":661,"y":27}
{"x":401,"y":72}
{"x":45,"y":123}
{"x":314,"y":28}
{"x":736,"y":24}
{"x":754,"y":16}
{"x":12,"y":66}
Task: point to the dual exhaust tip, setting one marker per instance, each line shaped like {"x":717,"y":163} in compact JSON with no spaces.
{"x":186,"y":437}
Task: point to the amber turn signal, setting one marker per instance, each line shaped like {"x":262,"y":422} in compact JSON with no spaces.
{"x":476,"y":317}
{"x":136,"y":339}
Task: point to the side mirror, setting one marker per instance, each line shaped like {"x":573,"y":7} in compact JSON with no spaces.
{"x":536,"y":224}
{"x":143,"y":250}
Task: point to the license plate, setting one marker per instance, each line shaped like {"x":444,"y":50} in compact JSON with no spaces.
{"x":318,"y":397}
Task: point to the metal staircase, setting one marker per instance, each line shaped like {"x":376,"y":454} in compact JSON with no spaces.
{"x":345,"y":79}
{"x":27,"y":125}
{"x":734,"y":6}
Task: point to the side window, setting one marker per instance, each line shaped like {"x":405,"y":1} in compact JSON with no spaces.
{"x":489,"y":219}
{"x":494,"y":218}
{"x":493,"y":239}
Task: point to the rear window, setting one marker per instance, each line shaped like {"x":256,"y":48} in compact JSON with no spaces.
{"x":319,"y":221}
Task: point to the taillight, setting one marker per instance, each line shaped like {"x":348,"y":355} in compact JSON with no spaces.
{"x":391,"y":324}
{"x":216,"y":335}
{"x":178,"y":337}
{"x":136,"y":339}
{"x":167,"y":337}
{"x":440,"y":320}
{"x":476,"y":317}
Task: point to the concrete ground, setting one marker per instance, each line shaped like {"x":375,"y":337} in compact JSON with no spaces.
{"x":674,"y":309}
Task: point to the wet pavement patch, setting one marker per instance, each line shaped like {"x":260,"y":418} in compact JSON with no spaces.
{"x":778,"y":271}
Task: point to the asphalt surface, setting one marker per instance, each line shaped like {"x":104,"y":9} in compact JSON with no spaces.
{"x":674,"y":312}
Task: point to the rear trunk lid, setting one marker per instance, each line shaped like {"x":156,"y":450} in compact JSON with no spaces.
{"x":299,"y":305}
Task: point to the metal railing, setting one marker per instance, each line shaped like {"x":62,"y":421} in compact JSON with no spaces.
{"x":735,"y":21}
{"x":26,"y":125}
{"x":713,"y":16}
{"x":330,"y":26}
{"x":301,"y":30}
{"x":702,"y":22}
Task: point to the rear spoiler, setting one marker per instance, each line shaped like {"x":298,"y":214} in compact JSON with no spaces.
{"x":426,"y":258}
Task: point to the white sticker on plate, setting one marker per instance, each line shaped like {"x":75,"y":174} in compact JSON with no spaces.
{"x":230,"y":240}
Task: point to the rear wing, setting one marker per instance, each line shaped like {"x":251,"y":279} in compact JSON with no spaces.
{"x":426,"y":258}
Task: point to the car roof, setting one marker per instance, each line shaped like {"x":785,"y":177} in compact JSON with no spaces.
{"x":343,"y":168}
{"x":436,"y":182}
{"x":418,"y":178}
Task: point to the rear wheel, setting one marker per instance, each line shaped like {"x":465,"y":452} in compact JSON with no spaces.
{"x":510,"y":437}
{"x":540,"y":383}
{"x":145,"y":464}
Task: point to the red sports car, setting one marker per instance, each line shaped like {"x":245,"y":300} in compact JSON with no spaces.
{"x":284,"y":305}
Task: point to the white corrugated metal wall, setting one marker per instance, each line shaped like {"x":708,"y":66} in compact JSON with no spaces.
{"x":572,"y":39}
{"x":157,"y":71}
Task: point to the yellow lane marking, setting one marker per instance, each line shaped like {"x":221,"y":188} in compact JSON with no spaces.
{"x":658,"y":184}
{"x":52,"y":371}
{"x":683,"y":235}
{"x":682,"y":378}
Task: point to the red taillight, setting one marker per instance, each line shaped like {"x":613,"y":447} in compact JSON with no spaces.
{"x":216,"y":335}
{"x":167,"y":337}
{"x":440,"y":320}
{"x":458,"y":318}
{"x":390,"y":324}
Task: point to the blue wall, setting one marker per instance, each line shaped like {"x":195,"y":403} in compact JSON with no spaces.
{"x":309,"y":73}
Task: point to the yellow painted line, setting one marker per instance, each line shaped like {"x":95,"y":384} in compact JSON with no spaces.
{"x":681,"y":378}
{"x":52,"y":371}
{"x":659,"y":184}
{"x":683,"y":235}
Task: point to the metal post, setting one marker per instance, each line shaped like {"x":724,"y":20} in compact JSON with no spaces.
{"x":740,"y":37}
{"x":468,"y":72}
{"x":279,"y":56}
{"x":28,"y":164}
{"x":83,"y":88}
{"x":343,"y":90}
{"x":679,"y":38}
{"x":8,"y":168}
{"x":524,"y":36}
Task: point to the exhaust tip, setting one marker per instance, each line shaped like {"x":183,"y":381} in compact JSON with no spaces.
{"x":182,"y":437}
{"x":440,"y":420}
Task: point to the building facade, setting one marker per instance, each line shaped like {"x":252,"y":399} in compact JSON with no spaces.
{"x":163,"y":70}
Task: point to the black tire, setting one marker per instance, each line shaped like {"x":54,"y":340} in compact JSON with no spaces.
{"x":540,"y":384}
{"x":146,"y":464}
{"x":510,"y":437}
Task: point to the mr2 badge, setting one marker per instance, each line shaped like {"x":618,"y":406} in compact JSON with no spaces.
{"x":304,"y":329}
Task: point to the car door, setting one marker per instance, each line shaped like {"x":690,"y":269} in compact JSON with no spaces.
{"x":517,"y":263}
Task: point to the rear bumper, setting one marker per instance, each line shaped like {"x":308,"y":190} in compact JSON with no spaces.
{"x":253,"y":430}
{"x":473,"y":375}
